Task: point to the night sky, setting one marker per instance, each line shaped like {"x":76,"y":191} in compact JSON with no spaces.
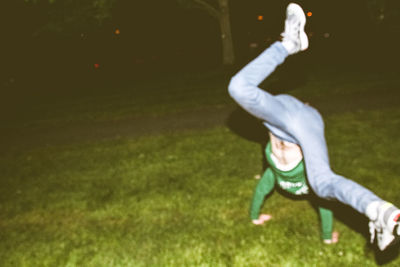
{"x":161,"y":33}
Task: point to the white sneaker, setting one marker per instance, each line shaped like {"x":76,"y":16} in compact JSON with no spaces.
{"x":385,"y":224}
{"x":294,"y":37}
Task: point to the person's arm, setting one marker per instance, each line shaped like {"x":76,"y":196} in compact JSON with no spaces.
{"x":264,"y":187}
{"x":326,"y":217}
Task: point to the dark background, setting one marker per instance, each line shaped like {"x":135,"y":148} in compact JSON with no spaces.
{"x":44,"y":46}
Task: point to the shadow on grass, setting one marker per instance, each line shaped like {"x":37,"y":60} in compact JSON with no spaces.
{"x":343,"y":213}
{"x":386,"y":256}
{"x":248,"y":127}
{"x":357,"y":222}
{"x":251,"y":129}
{"x":245,"y":125}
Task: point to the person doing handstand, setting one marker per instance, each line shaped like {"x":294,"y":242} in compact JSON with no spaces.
{"x":297,"y":151}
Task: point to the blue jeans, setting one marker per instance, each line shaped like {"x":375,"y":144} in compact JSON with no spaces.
{"x":291,"y":120}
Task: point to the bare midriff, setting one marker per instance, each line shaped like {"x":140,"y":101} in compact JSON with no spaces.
{"x":285,"y":153}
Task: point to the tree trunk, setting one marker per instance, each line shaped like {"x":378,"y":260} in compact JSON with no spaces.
{"x":228,"y":56}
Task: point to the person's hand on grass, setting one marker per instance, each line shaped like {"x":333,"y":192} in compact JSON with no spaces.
{"x":334,"y":240}
{"x":262,"y":219}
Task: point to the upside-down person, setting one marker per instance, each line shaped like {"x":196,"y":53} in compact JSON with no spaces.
{"x":297,"y":151}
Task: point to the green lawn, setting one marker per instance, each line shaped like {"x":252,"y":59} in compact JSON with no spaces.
{"x":181,"y":198}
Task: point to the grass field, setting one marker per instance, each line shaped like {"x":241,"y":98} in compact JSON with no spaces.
{"x":180,"y":196}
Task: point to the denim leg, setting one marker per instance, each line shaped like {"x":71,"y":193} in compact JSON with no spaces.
{"x":309,"y":131}
{"x":243,"y":87}
{"x":291,"y":120}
